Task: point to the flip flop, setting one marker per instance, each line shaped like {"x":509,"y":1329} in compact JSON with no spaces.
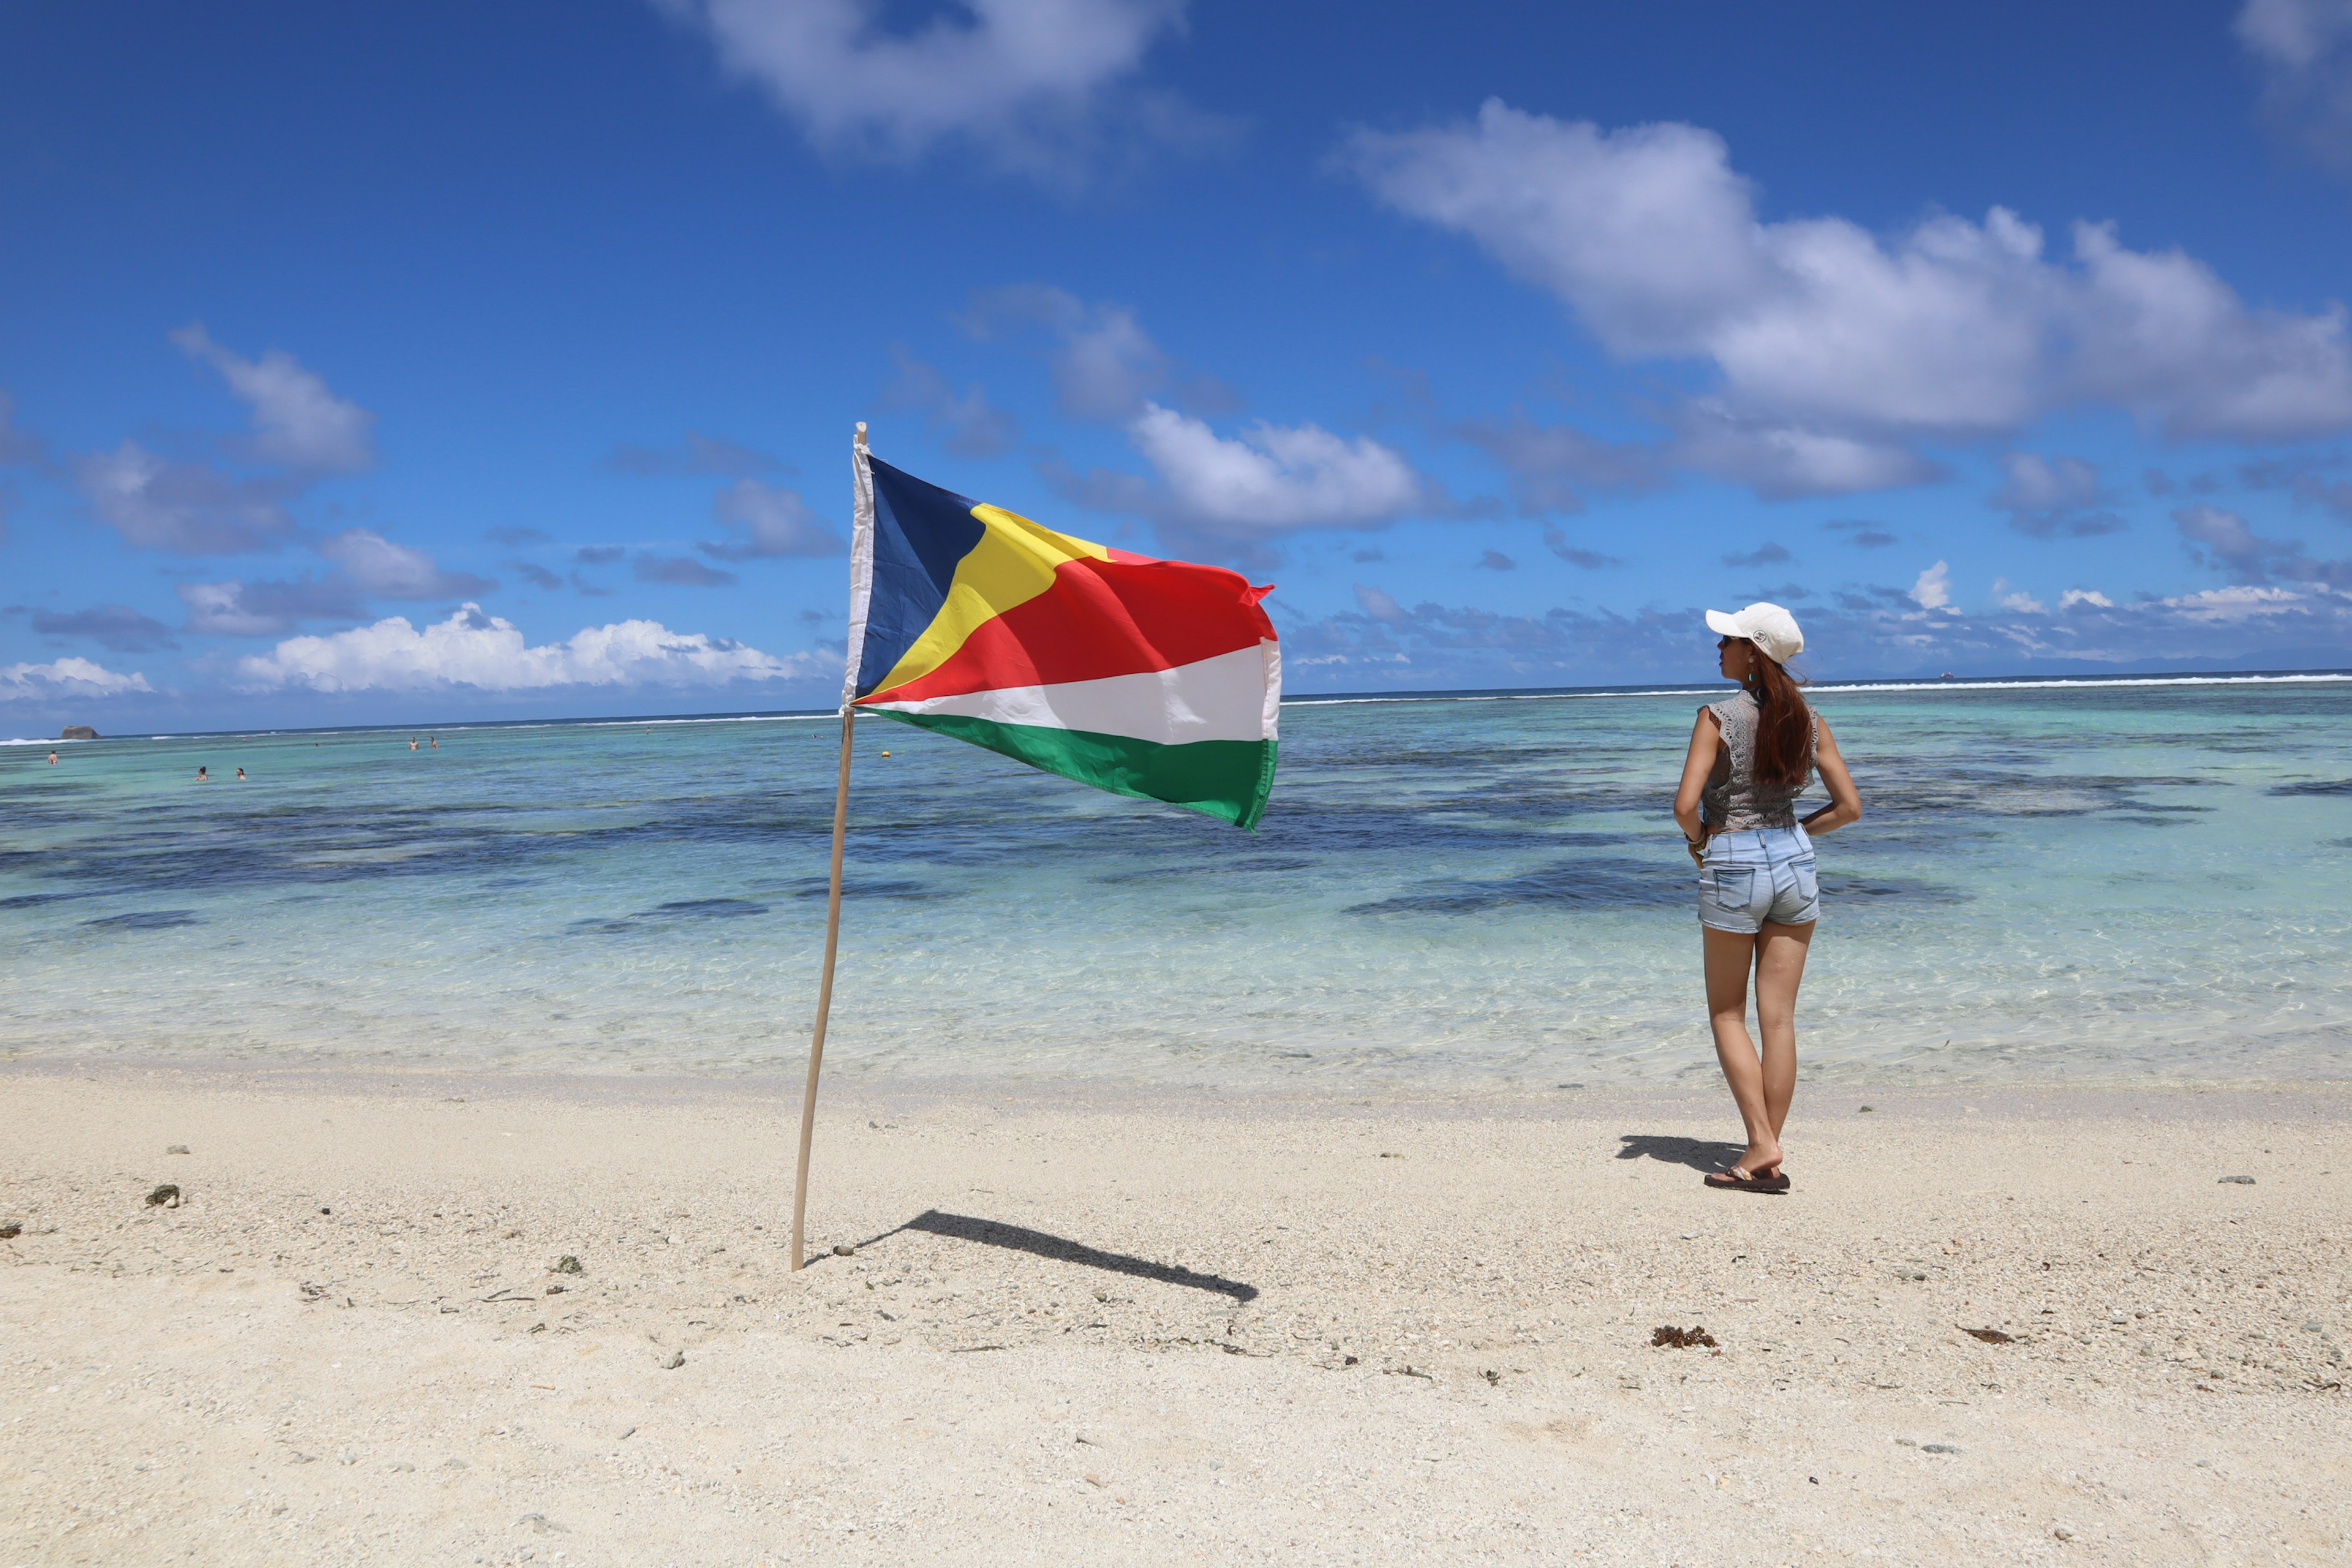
{"x":1736,"y":1180}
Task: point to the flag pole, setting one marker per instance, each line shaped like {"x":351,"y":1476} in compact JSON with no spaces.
{"x":823,"y":991}
{"x":840,"y":834}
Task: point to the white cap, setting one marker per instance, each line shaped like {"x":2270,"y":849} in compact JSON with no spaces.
{"x":1768,"y":626}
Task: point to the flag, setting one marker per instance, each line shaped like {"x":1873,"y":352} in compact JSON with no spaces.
{"x":1155,"y":679}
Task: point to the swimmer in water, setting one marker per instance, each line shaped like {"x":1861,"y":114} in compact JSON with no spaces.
{"x":412,"y":742}
{"x":437,"y":742}
{"x":202,"y":777}
{"x":241,"y":772}
{"x":53,"y":759}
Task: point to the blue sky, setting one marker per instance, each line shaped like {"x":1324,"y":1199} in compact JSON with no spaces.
{"x":465,"y":360}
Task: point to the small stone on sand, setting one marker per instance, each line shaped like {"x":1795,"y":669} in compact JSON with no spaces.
{"x":2236,"y":1181}
{"x":843,"y":1249}
{"x":677,"y":1360}
{"x":177,"y":1149}
{"x":165,"y":1196}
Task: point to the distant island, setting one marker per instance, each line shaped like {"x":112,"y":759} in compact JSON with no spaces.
{"x":77,"y":732}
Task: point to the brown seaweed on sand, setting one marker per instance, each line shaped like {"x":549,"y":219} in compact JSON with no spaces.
{"x":1672,"y":1338}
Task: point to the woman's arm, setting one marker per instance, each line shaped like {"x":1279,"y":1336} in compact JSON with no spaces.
{"x":1845,"y":801}
{"x":1707,"y":741}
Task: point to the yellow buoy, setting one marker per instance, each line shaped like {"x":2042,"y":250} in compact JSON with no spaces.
{"x":885,"y":753}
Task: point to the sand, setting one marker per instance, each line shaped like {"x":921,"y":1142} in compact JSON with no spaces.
{"x":1151,"y":1329}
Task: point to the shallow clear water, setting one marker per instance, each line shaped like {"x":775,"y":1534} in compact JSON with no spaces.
{"x":2110,"y":881}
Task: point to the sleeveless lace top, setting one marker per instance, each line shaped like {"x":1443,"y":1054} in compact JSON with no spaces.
{"x":1734,"y":802}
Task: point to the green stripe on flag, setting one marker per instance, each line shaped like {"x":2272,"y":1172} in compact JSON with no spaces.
{"x":1228,"y":780}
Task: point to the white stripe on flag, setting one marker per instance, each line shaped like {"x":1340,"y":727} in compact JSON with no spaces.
{"x":1223,"y":699}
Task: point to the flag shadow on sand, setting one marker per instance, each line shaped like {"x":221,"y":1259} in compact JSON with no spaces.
{"x":1021,"y":1238}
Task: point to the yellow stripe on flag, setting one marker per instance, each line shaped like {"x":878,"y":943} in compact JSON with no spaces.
{"x":1012,"y":564}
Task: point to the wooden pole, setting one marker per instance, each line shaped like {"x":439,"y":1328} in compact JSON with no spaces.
{"x":824,"y":988}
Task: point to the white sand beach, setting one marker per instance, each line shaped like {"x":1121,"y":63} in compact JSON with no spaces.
{"x":1159,"y":1331}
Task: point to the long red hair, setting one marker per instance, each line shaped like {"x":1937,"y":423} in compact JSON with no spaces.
{"x":1784,"y":725}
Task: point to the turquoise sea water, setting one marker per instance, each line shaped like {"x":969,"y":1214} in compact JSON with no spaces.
{"x":2053,"y":881}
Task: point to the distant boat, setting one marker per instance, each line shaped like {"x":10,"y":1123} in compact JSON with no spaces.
{"x":1947,"y":675}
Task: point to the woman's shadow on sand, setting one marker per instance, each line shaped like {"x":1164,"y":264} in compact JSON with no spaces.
{"x":1698,"y":1153}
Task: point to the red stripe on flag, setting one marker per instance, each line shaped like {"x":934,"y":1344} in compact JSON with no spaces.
{"x":1102,"y":618}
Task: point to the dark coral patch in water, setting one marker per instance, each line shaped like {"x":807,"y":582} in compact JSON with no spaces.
{"x":717,"y":909}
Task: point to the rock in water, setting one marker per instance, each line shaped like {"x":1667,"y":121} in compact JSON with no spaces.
{"x":77,"y":732}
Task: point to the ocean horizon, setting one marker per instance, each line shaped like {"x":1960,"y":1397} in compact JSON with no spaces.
{"x":1447,"y":694}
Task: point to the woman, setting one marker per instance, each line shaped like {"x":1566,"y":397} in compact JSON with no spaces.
{"x":1751,"y":757}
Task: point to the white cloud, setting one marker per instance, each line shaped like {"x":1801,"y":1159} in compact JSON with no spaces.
{"x":298,"y":421}
{"x":188,"y":508}
{"x":1551,"y":466}
{"x":967,"y":425}
{"x":2304,"y":50}
{"x":392,"y":571}
{"x":1933,"y":591}
{"x":1106,"y":366}
{"x":240,"y":609}
{"x":117,"y":626}
{"x":697,"y":454}
{"x":1028,"y":80}
{"x":2226,"y":542}
{"x":2036,"y":483}
{"x":680,"y":572}
{"x":1430,"y":644}
{"x":488,"y":653}
{"x":2074,"y":596}
{"x":2050,"y":496}
{"x":2240,"y":603}
{"x":1838,"y":349}
{"x":194,"y":509}
{"x":1781,"y":461}
{"x":66,"y":678}
{"x":2016,"y":599}
{"x":1271,"y":479}
{"x":16,"y":445}
{"x":1379,"y":606}
{"x":773,"y":522}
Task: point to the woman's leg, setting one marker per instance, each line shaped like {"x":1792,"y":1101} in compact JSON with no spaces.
{"x":1779,"y":970}
{"x":1728,"y":956}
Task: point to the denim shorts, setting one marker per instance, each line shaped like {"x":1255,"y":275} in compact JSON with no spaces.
{"x":1766,"y":874}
